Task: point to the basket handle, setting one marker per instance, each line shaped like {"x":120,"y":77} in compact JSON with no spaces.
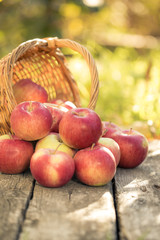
{"x":59,"y":43}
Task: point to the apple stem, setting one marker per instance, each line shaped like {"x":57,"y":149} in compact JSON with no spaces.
{"x":130,"y":131}
{"x":30,"y":107}
{"x":57,"y":148}
{"x":75,"y":113}
{"x":93,"y":146}
{"x":104,"y":132}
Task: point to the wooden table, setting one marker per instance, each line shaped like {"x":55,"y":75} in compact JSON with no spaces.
{"x":127,"y":208}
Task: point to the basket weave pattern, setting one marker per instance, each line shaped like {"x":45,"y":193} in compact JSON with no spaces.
{"x":43,"y":62}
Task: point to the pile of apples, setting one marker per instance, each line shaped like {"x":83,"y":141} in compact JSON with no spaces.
{"x":58,"y":140}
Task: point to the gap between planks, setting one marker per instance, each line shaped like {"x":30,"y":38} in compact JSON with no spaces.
{"x":72,"y":212}
{"x":25,"y":209}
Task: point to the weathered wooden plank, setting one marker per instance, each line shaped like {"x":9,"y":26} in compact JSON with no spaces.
{"x":138,"y":198}
{"x":72,"y":212}
{"x":15,"y":192}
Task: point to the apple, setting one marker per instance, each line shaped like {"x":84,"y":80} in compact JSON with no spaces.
{"x":80,"y":128}
{"x":27,"y":90}
{"x":59,"y":106}
{"x":95,"y":166}
{"x":133,"y":147}
{"x":67,"y":104}
{"x":108,"y":128}
{"x":57,"y":112}
{"x":112,"y":146}
{"x":56,"y":101}
{"x":53,"y":141}
{"x":52,"y":168}
{"x":15,"y":154}
{"x":31,"y":120}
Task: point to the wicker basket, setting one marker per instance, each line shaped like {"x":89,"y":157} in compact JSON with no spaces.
{"x":43,"y":62}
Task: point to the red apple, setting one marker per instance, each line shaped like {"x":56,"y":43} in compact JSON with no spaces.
{"x":53,"y":141}
{"x":95,"y":166}
{"x":67,"y":104}
{"x":108,"y":128}
{"x":112,"y":146}
{"x":15,"y":154}
{"x":31,"y":120}
{"x":27,"y":90}
{"x":80,"y":128}
{"x":52,"y":168}
{"x":57,"y":113}
{"x":133,"y":146}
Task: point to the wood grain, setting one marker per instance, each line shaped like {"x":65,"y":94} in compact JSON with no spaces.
{"x":75,"y":211}
{"x":15,"y":193}
{"x":72,"y":212}
{"x":138,"y":198}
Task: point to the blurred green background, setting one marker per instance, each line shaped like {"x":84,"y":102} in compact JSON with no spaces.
{"x":122,"y":35}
